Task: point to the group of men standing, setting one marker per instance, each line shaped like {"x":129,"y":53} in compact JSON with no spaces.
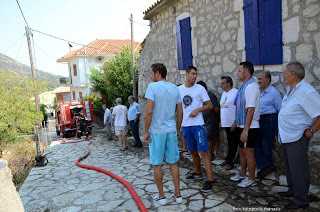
{"x":250,"y":117}
{"x":121,"y":115}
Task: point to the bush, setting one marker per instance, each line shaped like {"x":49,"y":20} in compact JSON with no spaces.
{"x":20,"y":156}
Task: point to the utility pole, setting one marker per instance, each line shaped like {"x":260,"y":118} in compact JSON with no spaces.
{"x":34,"y":76}
{"x":133,"y":68}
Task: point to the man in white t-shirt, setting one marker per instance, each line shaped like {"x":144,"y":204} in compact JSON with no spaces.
{"x":195,"y":100}
{"x":227,"y":118}
{"x":247,"y":104}
{"x":120,"y":123}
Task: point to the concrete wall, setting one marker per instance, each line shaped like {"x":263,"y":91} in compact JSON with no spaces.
{"x":9,"y":199}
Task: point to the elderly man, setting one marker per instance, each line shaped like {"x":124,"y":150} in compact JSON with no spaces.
{"x":228,"y":113}
{"x":270,"y":105}
{"x":247,"y":121}
{"x":299,"y":119}
{"x":107,"y":120}
{"x":134,"y":114}
{"x":120,"y":123}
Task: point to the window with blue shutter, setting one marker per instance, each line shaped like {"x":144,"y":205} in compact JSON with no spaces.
{"x":184,"y":44}
{"x":263,"y":31}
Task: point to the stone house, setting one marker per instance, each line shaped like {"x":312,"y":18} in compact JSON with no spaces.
{"x":94,"y":55}
{"x":216,"y":35}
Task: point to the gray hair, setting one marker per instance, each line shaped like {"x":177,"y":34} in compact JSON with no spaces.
{"x":104,"y":105}
{"x":118,"y":100}
{"x":131,"y":97}
{"x":297,"y":68}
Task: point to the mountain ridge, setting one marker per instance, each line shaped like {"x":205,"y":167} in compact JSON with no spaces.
{"x":9,"y":64}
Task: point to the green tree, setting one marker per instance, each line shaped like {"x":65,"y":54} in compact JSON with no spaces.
{"x":114,"y":80}
{"x":17,"y":110}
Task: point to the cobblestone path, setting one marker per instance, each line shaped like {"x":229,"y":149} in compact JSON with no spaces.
{"x":63,"y":186}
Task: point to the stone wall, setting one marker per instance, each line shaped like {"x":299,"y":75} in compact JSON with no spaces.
{"x":218,"y":43}
{"x":9,"y":199}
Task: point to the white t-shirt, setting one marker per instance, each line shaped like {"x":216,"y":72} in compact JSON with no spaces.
{"x":120,"y":114}
{"x":192,"y":98}
{"x":228,"y":108}
{"x":252,"y":98}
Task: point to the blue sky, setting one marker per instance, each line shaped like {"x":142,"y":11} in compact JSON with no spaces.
{"x":81,"y":21}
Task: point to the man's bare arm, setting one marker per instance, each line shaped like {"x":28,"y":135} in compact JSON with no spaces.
{"x":147,"y":120}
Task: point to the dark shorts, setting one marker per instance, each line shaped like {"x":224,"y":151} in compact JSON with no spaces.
{"x":212,"y":132}
{"x":252,"y":136}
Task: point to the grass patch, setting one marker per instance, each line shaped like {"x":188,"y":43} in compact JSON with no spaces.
{"x":20,"y":156}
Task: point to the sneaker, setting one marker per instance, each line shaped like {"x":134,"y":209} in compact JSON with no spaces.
{"x":161,"y":201}
{"x":247,"y":183}
{"x":237,"y":177}
{"x":194,"y":176}
{"x":178,"y":199}
{"x":207,"y":186}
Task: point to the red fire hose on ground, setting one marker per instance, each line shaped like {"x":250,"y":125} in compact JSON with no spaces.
{"x":133,"y":193}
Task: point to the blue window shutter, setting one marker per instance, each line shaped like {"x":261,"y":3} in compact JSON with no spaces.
{"x":186,"y":44}
{"x":270,"y":22}
{"x":251,"y":26}
{"x":179,"y":48}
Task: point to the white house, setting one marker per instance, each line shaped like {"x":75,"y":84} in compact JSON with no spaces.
{"x":92,"y":55}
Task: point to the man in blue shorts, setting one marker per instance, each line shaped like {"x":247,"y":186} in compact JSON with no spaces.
{"x":161,"y":129}
{"x":195,"y":101}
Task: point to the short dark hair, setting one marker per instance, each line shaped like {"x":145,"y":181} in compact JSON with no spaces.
{"x":248,"y":66}
{"x":160,"y":68}
{"x":228,"y":80}
{"x":203,"y":84}
{"x":268,"y":75}
{"x":191,"y":68}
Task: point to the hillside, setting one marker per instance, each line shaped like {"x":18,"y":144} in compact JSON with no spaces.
{"x":8,"y":63}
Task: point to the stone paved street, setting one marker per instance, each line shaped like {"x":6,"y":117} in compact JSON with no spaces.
{"x":62,"y":186}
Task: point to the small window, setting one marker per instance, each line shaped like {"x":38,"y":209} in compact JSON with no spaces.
{"x":80,"y":95}
{"x":75,"y":70}
{"x":74,"y":95}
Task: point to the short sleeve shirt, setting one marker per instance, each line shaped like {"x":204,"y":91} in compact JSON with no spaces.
{"x":298,"y":112}
{"x":192,"y":98}
{"x":120,"y":115}
{"x":133,"y":111}
{"x":228,"y":108}
{"x":107,"y":114}
{"x":211,"y":118}
{"x":165,"y":97}
{"x":252,"y":98}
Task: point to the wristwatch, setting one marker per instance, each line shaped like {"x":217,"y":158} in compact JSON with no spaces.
{"x":311,"y":130}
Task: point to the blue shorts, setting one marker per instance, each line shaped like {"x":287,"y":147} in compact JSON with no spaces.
{"x":196,"y":138}
{"x":164,"y":145}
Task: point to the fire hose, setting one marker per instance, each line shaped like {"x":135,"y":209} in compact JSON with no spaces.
{"x":119,"y":179}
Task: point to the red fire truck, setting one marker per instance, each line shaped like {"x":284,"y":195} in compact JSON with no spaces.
{"x":67,"y":116}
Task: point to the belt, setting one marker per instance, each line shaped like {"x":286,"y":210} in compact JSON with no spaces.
{"x":265,"y":115}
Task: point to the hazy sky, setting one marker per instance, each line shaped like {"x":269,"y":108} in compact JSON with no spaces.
{"x":81,"y":21}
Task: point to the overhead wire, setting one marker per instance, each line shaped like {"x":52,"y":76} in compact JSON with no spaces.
{"x":22,"y":13}
{"x":14,"y":43}
{"x":69,"y":41}
{"x":18,"y":50}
